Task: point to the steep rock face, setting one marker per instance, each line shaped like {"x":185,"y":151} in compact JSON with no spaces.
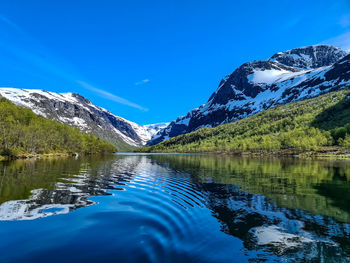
{"x":310,"y":57}
{"x":77,"y":111}
{"x":287,"y":76}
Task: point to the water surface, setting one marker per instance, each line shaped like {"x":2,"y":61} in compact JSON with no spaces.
{"x":174,"y":208}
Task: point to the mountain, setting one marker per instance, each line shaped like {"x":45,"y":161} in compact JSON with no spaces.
{"x":320,"y":124}
{"x":310,"y":57}
{"x":287,"y":76}
{"x":77,"y":111}
{"x":153,"y":129}
{"x":25,"y":134}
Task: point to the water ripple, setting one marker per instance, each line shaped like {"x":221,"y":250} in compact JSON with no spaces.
{"x":156,"y":212}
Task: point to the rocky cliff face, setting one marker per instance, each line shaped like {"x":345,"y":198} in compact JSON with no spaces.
{"x":255,"y":86}
{"x":310,"y":57}
{"x":77,"y":111}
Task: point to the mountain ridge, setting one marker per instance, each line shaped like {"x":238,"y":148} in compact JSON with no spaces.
{"x":319,"y":125}
{"x":288,"y":76}
{"x":78,"y":111}
{"x":256,"y":86}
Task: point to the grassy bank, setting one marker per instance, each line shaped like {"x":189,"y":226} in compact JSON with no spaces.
{"x":36,"y":156}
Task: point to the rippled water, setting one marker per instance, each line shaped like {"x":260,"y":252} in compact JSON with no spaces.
{"x":175,"y":208}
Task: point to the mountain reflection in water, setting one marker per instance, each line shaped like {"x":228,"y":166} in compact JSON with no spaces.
{"x":156,"y":208}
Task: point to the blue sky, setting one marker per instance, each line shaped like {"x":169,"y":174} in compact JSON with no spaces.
{"x":152,"y":61}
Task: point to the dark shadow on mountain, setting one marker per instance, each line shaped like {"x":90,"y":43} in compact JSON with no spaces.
{"x":334,"y":117}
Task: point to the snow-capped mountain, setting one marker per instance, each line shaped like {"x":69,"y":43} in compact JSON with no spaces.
{"x":287,"y":76}
{"x":153,"y":129}
{"x":310,"y":57}
{"x":75,"y":110}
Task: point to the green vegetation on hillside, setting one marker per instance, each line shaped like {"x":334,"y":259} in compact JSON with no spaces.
{"x":22,"y":132}
{"x":299,"y":126}
{"x":110,"y":137}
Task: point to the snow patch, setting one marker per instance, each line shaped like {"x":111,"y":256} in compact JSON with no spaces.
{"x":153,"y":129}
{"x":266,"y":76}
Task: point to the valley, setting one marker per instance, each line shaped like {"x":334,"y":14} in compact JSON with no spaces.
{"x":295,"y":102}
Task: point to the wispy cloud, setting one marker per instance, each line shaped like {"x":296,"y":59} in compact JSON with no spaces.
{"x":292,"y":23}
{"x":110,"y":96}
{"x":10,"y":23}
{"x":344,"y":21}
{"x":342,"y":41}
{"x":26,"y":49}
{"x":144,"y":81}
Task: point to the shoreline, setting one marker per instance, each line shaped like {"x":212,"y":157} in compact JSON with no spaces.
{"x":46,"y":156}
{"x":333,"y":153}
{"x":34,"y":156}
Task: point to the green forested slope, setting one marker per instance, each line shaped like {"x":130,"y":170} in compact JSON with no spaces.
{"x":23,"y":132}
{"x":301,"y":126}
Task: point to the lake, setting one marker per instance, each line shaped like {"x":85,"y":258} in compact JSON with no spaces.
{"x":174,"y":208}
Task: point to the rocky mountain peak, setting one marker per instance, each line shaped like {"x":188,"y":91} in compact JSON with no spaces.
{"x":287,"y":76}
{"x":309,"y":57}
{"x":242,"y":82}
{"x":80,"y":98}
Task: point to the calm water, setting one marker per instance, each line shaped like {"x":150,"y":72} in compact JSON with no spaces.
{"x":174,"y":208}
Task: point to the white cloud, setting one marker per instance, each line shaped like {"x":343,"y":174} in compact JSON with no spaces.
{"x":26,"y":49}
{"x":141,"y":82}
{"x":110,"y":96}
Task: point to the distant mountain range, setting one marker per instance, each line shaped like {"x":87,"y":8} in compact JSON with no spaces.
{"x":287,"y":76}
{"x":77,"y":111}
